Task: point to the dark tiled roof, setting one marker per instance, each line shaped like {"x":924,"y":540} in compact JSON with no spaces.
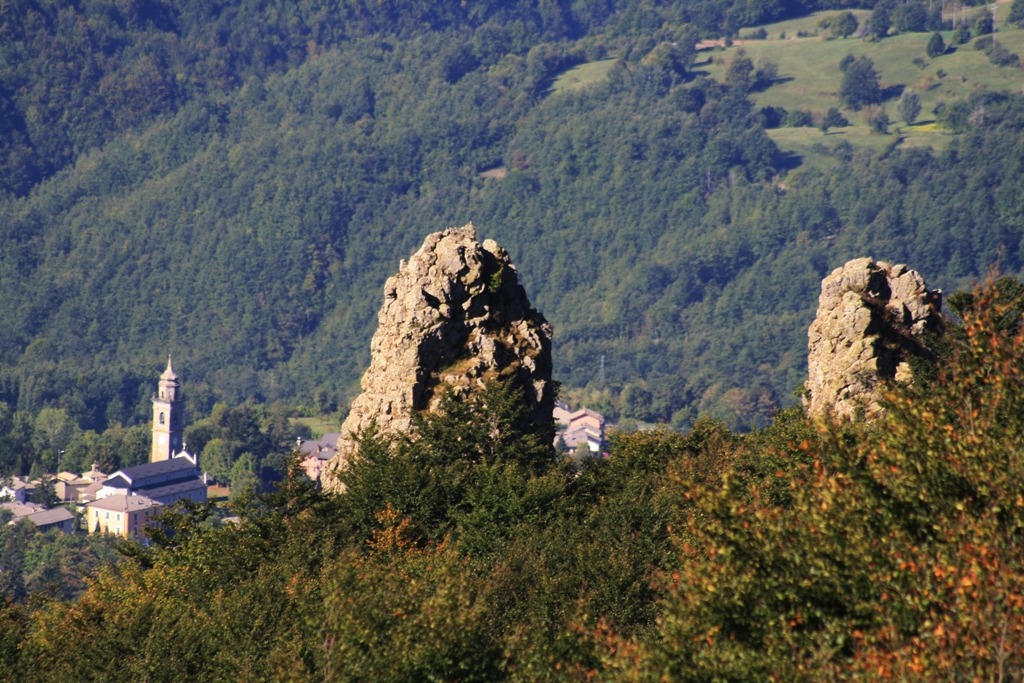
{"x":170,"y":489}
{"x":152,"y":469}
{"x":52,"y":516}
{"x":328,"y":441}
{"x":117,"y":482}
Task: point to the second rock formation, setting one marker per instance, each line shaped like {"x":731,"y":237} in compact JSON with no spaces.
{"x":872,"y":318}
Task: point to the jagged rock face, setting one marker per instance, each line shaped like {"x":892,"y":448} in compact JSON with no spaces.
{"x":455,"y":315}
{"x":872,"y":319}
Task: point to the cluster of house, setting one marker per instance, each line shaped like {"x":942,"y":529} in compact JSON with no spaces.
{"x":124,"y":502}
{"x":45,"y":519}
{"x":576,"y":429}
{"x":583,"y":427}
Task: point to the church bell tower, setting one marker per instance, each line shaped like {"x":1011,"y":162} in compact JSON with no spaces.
{"x":168,"y":417}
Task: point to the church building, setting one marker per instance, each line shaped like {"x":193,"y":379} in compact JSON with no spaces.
{"x":128,"y":497}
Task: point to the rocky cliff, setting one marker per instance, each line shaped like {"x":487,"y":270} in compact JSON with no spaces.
{"x":454,"y":316}
{"x":872,"y":319}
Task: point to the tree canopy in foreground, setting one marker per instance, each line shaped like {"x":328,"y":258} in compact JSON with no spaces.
{"x":803,"y":551}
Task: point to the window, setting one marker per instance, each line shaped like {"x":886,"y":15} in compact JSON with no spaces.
{"x":161,"y":418}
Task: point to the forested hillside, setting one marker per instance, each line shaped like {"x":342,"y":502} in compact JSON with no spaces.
{"x":234,"y":182}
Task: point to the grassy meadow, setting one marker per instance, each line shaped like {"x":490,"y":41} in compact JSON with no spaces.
{"x":581,"y":76}
{"x":809,"y":77}
{"x":319,"y":425}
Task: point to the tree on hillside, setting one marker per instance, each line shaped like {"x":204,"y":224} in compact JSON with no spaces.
{"x":860,"y":86}
{"x":909,"y":106}
{"x":1016,"y":16}
{"x":983,"y":23}
{"x":766,"y":73}
{"x":844,"y":25}
{"x":881,"y":20}
{"x":667,"y":63}
{"x":910,"y":17}
{"x":833,"y":119}
{"x":936,"y":45}
{"x":55,"y":429}
{"x":962,"y":34}
{"x":45,"y":493}
{"x":877,"y":119}
{"x":740,"y":73}
{"x":244,"y":479}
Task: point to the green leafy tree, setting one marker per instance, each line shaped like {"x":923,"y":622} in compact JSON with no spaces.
{"x":380,"y":604}
{"x":45,"y":492}
{"x":881,"y":19}
{"x":877,"y":119}
{"x":766,"y":73}
{"x":936,"y":46}
{"x":983,"y":23}
{"x":740,"y":72}
{"x":962,"y":33}
{"x":55,"y":429}
{"x":909,"y":106}
{"x":910,"y":16}
{"x":218,"y":459}
{"x":843,"y":25}
{"x":860,"y":86}
{"x":15,"y":540}
{"x":428,"y":477}
{"x":833,"y":118}
{"x":244,"y":477}
{"x":1016,"y":16}
{"x":667,"y":64}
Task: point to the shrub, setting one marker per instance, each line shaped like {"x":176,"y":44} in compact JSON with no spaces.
{"x":962,"y":34}
{"x":877,"y":119}
{"x":799,"y":118}
{"x":833,"y":119}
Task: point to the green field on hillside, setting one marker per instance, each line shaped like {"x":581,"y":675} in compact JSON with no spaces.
{"x":319,"y":425}
{"x":581,"y":76}
{"x":807,"y":58}
{"x":809,"y":78}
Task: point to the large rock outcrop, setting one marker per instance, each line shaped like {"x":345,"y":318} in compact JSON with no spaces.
{"x":872,"y":320}
{"x":454,"y":316}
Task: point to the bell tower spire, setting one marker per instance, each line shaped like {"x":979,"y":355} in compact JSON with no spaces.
{"x":168,"y":416}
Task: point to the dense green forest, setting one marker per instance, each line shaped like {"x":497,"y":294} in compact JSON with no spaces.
{"x":234,"y":182}
{"x":798,"y":552}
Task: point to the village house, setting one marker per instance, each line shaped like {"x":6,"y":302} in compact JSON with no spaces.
{"x":86,"y":493}
{"x":121,"y":515}
{"x":58,"y":518}
{"x":315,"y":454}
{"x":15,"y":489}
{"x":69,"y":485}
{"x":581,"y":427}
